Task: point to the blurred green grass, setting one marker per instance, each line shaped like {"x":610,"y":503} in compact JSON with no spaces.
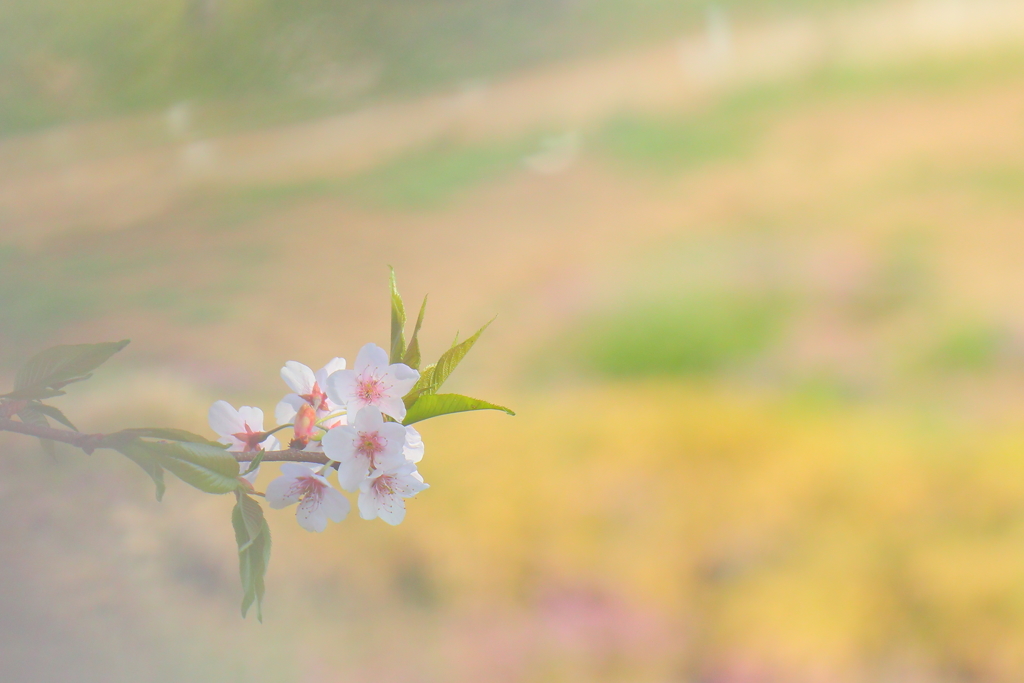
{"x":425,"y":178}
{"x":730,"y":130}
{"x":691,"y":334}
{"x":271,"y":61}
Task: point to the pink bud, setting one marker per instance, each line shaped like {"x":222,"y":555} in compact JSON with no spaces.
{"x":305,"y":423}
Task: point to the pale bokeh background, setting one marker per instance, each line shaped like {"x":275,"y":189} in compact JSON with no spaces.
{"x":757,"y":267}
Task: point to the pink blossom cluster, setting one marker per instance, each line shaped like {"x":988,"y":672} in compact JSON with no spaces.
{"x":351,"y":417}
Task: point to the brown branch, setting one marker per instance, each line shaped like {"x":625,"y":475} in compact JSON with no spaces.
{"x":90,"y":442}
{"x":76,"y":439}
{"x":290,"y":455}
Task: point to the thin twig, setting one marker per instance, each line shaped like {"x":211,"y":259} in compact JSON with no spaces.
{"x":89,"y":443}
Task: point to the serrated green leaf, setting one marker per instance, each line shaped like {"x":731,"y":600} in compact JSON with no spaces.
{"x":433,"y":405}
{"x":31,"y":414}
{"x":252,"y":535}
{"x":55,"y":413}
{"x":434,"y":376}
{"x":194,"y":459}
{"x":425,"y":380}
{"x":451,"y":358}
{"x":207,"y":468}
{"x":397,"y":322}
{"x":412,"y":355}
{"x":53,"y":368}
{"x":252,"y":515}
{"x":138,"y":451}
{"x":170,"y":434}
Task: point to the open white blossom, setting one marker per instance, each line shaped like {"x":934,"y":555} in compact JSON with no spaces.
{"x":367,"y":444}
{"x":318,"y":500}
{"x":372,"y":382}
{"x":241,"y":431}
{"x":382,"y":494}
{"x":309,"y":388}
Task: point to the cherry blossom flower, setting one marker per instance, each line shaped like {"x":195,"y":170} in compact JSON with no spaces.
{"x":382,"y":494}
{"x":309,"y":389}
{"x":318,"y":500}
{"x":241,"y":431}
{"x":372,"y":383}
{"x":368,"y":444}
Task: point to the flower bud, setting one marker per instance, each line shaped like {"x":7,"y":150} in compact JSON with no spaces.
{"x":305,"y":424}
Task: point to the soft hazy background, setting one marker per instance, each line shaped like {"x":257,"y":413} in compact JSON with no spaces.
{"x":758,"y":270}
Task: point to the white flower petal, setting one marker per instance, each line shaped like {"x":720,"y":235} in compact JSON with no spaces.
{"x":339,"y":443}
{"x":298,"y":377}
{"x":391,"y":509}
{"x":406,"y":480}
{"x":373,"y":357}
{"x":394,"y":437}
{"x":224,"y":419}
{"x":369,"y":419}
{"x":414,"y":448}
{"x":296,"y":470}
{"x":401,"y":378}
{"x":412,"y":485}
{"x":335,"y":505}
{"x":286,"y":409}
{"x":326,"y":371}
{"x":352,"y":472}
{"x":367,"y":500}
{"x":283,"y":492}
{"x":253,"y":417}
{"x":271,"y":443}
{"x":393,"y":406}
{"x":341,"y":387}
{"x":311,"y":514}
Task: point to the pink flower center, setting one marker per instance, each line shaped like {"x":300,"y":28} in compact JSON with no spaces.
{"x":370,"y":445}
{"x":384,"y":485}
{"x":369,"y":389}
{"x":252,"y":440}
{"x":308,"y":487}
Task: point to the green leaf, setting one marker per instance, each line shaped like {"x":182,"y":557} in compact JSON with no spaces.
{"x":397,"y":322}
{"x":252,"y":535}
{"x":50,"y":370}
{"x":54,"y":413}
{"x":170,"y":434}
{"x":256,"y":462}
{"x":207,"y":468}
{"x":434,"y":376}
{"x":433,"y":405}
{"x":31,"y":415}
{"x":252,"y":516}
{"x":33,"y":394}
{"x":138,"y":451}
{"x":418,"y":389}
{"x":412,"y":352}
{"x":198,"y":462}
